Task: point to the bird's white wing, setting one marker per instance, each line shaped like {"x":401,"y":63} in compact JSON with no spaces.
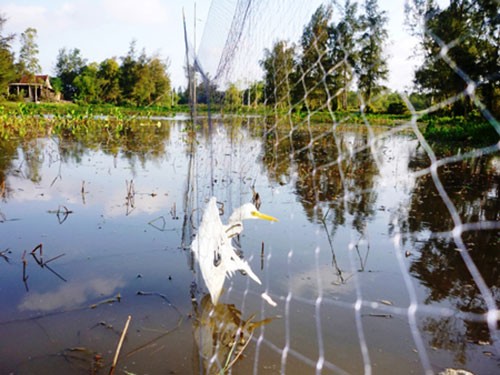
{"x":235,"y":263}
{"x":215,"y":253}
{"x":205,"y":245}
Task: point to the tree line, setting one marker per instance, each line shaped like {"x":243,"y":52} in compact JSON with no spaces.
{"x":134,"y":79}
{"x":459,"y":44}
{"x":334,"y":66}
{"x":321,"y":70}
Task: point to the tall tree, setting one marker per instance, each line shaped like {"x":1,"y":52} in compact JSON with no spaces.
{"x":7,"y":68}
{"x":109,"y":84}
{"x":486,"y":21}
{"x":254,"y":94}
{"x":468,"y":32}
{"x":207,"y":92}
{"x":372,"y":67}
{"x":157,"y":71}
{"x":345,"y":54}
{"x":232,"y":98}
{"x":278,"y":66}
{"x":143,"y":86}
{"x":315,"y":62}
{"x":129,"y":74}
{"x":144,"y":80}
{"x":69,"y":65}
{"x":87,"y":84}
{"x":28,"y":53}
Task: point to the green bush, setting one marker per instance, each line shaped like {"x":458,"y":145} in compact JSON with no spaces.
{"x":396,"y":108}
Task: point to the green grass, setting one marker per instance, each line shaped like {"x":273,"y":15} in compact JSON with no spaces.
{"x":33,"y":120}
{"x":22,"y":120}
{"x":474,"y":131}
{"x":97,"y":109}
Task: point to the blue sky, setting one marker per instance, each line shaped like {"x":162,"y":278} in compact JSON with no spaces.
{"x":105,"y":28}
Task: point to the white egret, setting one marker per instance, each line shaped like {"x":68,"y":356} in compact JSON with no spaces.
{"x":213,"y":249}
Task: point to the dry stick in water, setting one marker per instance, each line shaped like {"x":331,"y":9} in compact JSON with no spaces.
{"x":5,"y":257}
{"x":83,"y":191}
{"x":130,"y":196}
{"x":117,"y":298}
{"x":25,"y":276}
{"x":38,"y":247}
{"x":262,"y":256}
{"x":119,"y":347}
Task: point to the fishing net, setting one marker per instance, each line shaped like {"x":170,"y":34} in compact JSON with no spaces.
{"x":386,"y":260}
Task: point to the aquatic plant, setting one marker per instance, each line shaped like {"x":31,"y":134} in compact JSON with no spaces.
{"x":87,"y":125}
{"x":460,"y":129}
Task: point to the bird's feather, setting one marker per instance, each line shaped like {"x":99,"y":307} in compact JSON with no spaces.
{"x":212,"y":240}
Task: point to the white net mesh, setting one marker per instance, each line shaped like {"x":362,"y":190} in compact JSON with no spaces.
{"x":400,"y":274}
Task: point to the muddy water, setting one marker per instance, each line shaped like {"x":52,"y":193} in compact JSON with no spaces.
{"x":363,"y":265}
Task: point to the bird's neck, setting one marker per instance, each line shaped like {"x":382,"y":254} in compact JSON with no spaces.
{"x":235,"y":218}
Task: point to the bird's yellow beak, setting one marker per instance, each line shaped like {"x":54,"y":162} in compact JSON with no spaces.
{"x":260,"y":215}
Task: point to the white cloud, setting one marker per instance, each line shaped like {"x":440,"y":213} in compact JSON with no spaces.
{"x":50,"y":22}
{"x":69,"y":295}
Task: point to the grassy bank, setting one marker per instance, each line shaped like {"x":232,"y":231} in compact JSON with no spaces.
{"x":68,"y":108}
{"x":28,"y":120}
{"x":475,"y":131}
{"x":25,"y":119}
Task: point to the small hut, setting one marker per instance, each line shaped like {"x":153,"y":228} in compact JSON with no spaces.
{"x":33,"y":88}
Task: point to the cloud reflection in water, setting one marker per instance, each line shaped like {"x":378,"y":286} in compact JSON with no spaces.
{"x":70,"y":295}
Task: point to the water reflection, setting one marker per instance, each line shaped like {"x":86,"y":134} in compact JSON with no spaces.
{"x":136,"y":198}
{"x":323,"y":170}
{"x":138,"y":141}
{"x":474,"y":188}
{"x":221,"y":335}
{"x":70,"y":295}
{"x":327,"y":175}
{"x":472,"y":185}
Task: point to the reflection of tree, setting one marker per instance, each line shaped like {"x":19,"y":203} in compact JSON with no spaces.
{"x":8,"y":153}
{"x":330,"y":191}
{"x":33,"y":159}
{"x":236,"y":128}
{"x":313,"y":156}
{"x":474,"y":190}
{"x":473,"y":187}
{"x":136,"y":140}
{"x":359,"y":179}
{"x":441,"y":269}
{"x":447,"y":334}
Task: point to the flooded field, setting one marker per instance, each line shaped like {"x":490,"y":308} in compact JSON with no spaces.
{"x":363,"y":264}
